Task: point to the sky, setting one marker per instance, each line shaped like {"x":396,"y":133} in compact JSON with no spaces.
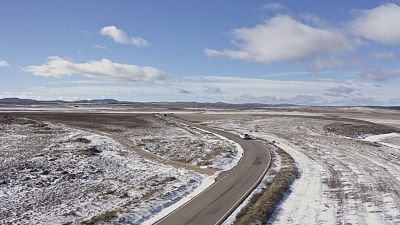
{"x":306,"y":52}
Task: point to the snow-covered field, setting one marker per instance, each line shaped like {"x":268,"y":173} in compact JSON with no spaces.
{"x":178,"y":142}
{"x":52,"y":174}
{"x":266,"y":112}
{"x":342,"y":181}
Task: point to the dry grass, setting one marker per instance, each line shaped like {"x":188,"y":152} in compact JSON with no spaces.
{"x":90,"y":151}
{"x":104,"y":217}
{"x":82,"y":140}
{"x":208,"y":117}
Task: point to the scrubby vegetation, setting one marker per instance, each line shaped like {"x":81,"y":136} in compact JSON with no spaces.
{"x":355,"y":130}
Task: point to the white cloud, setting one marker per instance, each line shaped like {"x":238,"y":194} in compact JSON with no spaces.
{"x":282,"y":38}
{"x":272,"y":6}
{"x":4,"y":63}
{"x":312,"y":18}
{"x":380,"y":24}
{"x":340,"y":91}
{"x":235,"y":89}
{"x":106,"y":69}
{"x":327,"y":63}
{"x":101,"y":47}
{"x":181,"y":90}
{"x":273,"y":99}
{"x":121,"y":37}
{"x":379,"y":75}
{"x":228,"y":53}
{"x":385,"y":55}
{"x":212,"y":89}
{"x":317,"y":92}
{"x":334,"y":62}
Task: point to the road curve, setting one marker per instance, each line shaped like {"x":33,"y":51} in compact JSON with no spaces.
{"x":218,"y":201}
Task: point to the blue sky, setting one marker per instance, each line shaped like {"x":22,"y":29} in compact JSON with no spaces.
{"x":303,"y":52}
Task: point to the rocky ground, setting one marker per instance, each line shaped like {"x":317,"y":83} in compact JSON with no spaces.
{"x":54,"y":174}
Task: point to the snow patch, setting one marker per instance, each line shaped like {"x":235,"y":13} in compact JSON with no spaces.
{"x":380,"y":137}
{"x":206,"y":183}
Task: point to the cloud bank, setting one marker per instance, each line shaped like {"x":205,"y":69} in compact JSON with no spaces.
{"x":105,"y":69}
{"x":379,"y":75}
{"x":212,"y":89}
{"x":380,"y":24}
{"x":283,"y":38}
{"x":4,"y":63}
{"x":340,"y":91}
{"x":384,"y":55}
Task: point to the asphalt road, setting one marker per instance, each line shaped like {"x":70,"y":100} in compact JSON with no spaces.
{"x":217,"y":202}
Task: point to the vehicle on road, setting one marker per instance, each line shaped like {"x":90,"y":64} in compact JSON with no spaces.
{"x":245,"y":136}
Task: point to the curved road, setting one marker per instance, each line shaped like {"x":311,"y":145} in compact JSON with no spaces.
{"x":218,"y":201}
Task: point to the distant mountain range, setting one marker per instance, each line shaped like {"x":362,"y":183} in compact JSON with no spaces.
{"x":17,"y":100}
{"x":31,"y":101}
{"x":169,"y":105}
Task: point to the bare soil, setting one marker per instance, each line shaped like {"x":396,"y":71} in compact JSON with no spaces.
{"x":106,"y":122}
{"x":355,"y":129}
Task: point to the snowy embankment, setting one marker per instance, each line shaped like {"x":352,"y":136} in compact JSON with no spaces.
{"x":341,"y":180}
{"x":302,"y":205}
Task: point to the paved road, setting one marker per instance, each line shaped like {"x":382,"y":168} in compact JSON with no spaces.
{"x":216,"y":203}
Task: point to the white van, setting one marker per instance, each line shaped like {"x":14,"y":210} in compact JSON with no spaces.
{"x":245,"y":136}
